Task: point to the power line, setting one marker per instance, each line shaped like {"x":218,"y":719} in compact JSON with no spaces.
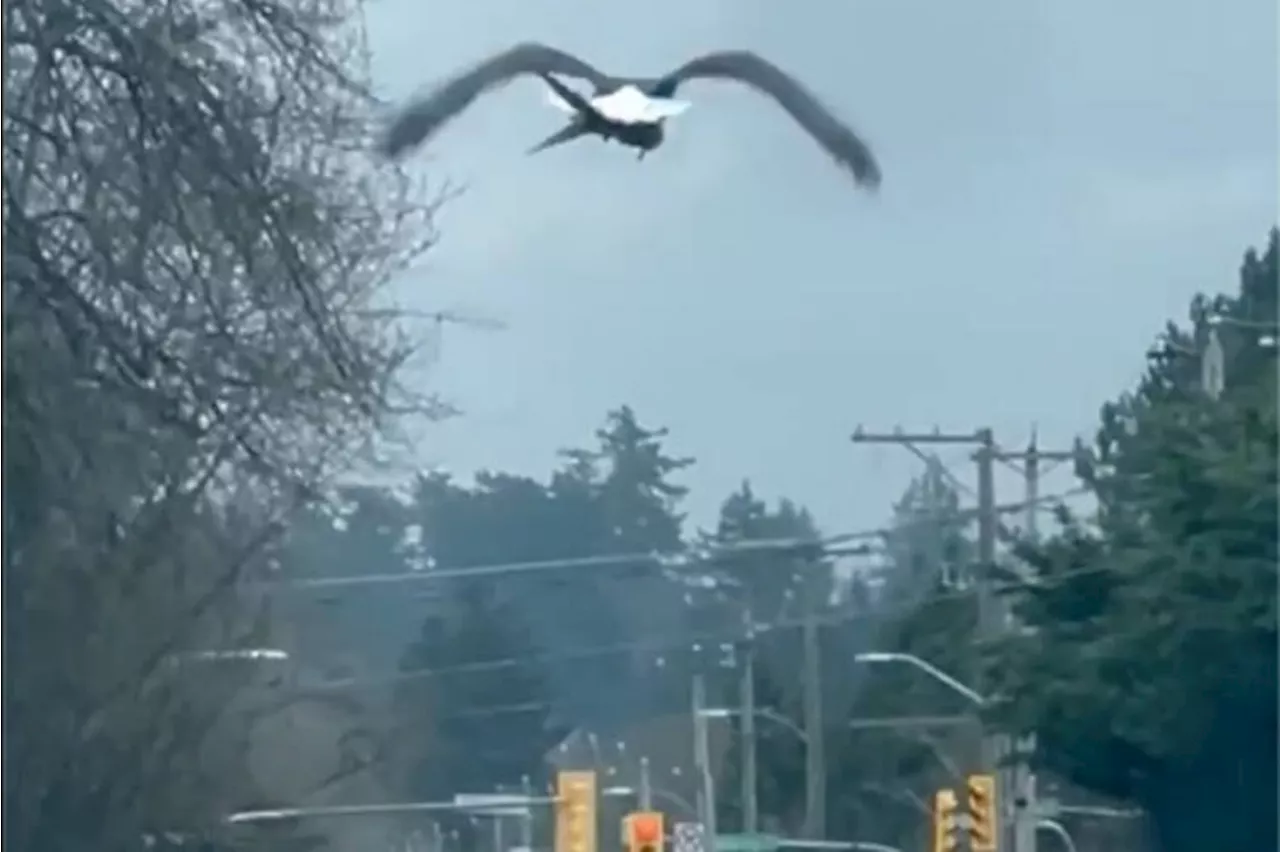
{"x":829,"y":545}
{"x":666,"y":643}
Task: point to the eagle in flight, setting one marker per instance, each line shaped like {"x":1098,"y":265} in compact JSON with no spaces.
{"x":631,"y":111}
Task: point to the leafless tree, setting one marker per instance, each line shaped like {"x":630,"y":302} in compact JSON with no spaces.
{"x":195,"y":248}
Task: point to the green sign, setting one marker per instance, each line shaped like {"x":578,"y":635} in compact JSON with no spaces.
{"x":746,"y":843}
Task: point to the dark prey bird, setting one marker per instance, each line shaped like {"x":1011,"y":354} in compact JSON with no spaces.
{"x":631,"y":111}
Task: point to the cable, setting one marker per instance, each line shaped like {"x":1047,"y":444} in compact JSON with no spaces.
{"x":682,"y":559}
{"x":668,"y":644}
{"x":1003,"y":533}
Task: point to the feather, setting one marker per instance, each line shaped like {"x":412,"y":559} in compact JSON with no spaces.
{"x":559,"y":103}
{"x":568,"y":133}
{"x":839,"y":140}
{"x":421,"y":119}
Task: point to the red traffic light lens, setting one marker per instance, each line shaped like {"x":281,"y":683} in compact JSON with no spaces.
{"x":646,"y":830}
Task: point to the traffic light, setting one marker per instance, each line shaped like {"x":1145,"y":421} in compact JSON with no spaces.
{"x":944,"y":821}
{"x":576,"y":812}
{"x":983,"y":828}
{"x":642,"y":832}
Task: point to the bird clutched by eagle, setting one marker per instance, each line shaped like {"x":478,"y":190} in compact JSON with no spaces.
{"x":630,"y":111}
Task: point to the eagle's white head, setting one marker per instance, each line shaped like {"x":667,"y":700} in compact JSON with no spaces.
{"x":628,"y":105}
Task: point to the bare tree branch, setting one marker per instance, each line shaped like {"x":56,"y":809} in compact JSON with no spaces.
{"x":195,"y":251}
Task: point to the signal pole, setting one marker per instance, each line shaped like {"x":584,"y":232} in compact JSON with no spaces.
{"x":702,"y":759}
{"x":750,"y":788}
{"x":993,"y":619}
{"x":990,"y":620}
{"x":815,"y":765}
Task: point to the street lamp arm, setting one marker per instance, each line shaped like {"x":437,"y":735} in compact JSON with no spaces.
{"x":935,"y":750}
{"x":1054,"y":827}
{"x":969,"y":693}
{"x":676,"y":800}
{"x":761,"y":712}
{"x":926,"y":667}
{"x":905,"y":796}
{"x":775,"y":716}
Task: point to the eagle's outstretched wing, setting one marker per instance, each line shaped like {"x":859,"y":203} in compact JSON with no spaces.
{"x":839,"y":140}
{"x":419,"y":120}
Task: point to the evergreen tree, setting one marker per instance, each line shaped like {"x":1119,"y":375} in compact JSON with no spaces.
{"x":362,"y":529}
{"x":629,"y":474}
{"x":879,"y":778}
{"x":1151,"y":672}
{"x":772,"y":581}
{"x":614,"y":498}
{"x":927,"y":546}
{"x":512,"y":520}
{"x":780,"y":757}
{"x":475,"y":711}
{"x":771,"y":585}
{"x":626,"y":481}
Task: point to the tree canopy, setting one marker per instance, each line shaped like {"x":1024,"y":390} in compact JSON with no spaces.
{"x":881,"y":779}
{"x":190,"y":253}
{"x":1150,"y":671}
{"x":566,"y":631}
{"x":774,"y":587}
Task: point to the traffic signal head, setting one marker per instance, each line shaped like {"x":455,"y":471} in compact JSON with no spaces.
{"x":944,"y":821}
{"x":983,"y":827}
{"x":642,"y":832}
{"x":576,"y":812}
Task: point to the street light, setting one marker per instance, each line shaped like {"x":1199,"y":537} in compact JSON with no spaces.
{"x":858,"y":845}
{"x":339,"y":811}
{"x":232,"y":654}
{"x":761,"y":712}
{"x":1209,"y":349}
{"x":900,"y":722}
{"x":1054,"y":827}
{"x":623,"y":791}
{"x":928,"y":668}
{"x":1099,"y":811}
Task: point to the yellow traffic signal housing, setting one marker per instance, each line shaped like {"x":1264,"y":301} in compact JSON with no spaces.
{"x":642,"y":832}
{"x":576,"y":812}
{"x":983,"y":825}
{"x":944,"y":821}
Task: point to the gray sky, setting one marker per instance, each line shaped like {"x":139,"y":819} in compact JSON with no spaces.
{"x":1060,"y":178}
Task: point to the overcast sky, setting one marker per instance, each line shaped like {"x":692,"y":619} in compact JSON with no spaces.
{"x":1060,"y":178}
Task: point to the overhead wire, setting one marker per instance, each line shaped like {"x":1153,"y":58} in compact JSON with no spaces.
{"x":689,"y":557}
{"x":668,"y":643}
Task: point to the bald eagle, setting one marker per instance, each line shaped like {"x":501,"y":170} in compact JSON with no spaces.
{"x":631,"y":111}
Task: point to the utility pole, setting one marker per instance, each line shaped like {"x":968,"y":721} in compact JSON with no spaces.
{"x":815,"y":763}
{"x":747,"y":688}
{"x":1025,"y":811}
{"x":1031,"y":460}
{"x":1031,"y":472}
{"x":646,"y":786}
{"x":702,"y":760}
{"x":526,"y":819}
{"x":990,"y":620}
